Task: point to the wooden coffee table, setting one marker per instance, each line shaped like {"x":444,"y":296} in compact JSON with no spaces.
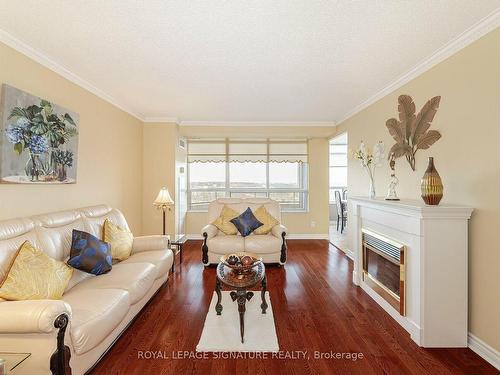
{"x":241,"y":283}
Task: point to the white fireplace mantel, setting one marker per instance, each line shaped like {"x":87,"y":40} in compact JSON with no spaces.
{"x":436,"y":240}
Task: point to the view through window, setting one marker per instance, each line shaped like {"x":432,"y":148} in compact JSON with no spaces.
{"x":276,"y":169}
{"x":338,"y":165}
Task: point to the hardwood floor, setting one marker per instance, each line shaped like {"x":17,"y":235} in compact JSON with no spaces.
{"x":316,"y":309}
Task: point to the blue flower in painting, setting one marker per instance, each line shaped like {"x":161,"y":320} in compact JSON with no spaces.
{"x":22,"y":122}
{"x":14,"y":134}
{"x":38,"y":144}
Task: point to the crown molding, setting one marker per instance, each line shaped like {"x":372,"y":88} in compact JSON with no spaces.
{"x":47,"y":62}
{"x":258,"y":123}
{"x":481,"y":28}
{"x":161,"y":120}
{"x":484,"y":26}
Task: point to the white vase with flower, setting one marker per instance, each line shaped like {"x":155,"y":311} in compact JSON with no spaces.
{"x":370,"y":161}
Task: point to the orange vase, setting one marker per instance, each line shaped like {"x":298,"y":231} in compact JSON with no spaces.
{"x":432,"y":186}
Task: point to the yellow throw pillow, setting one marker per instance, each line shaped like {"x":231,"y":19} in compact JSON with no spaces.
{"x":35,"y":275}
{"x":265,"y":218}
{"x":223,"y":221}
{"x":120,"y":239}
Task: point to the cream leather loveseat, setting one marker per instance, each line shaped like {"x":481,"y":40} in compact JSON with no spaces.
{"x":94,"y":310}
{"x":271,"y":247}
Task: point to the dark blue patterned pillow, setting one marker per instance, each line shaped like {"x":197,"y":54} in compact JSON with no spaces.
{"x":246,"y":223}
{"x":89,"y":253}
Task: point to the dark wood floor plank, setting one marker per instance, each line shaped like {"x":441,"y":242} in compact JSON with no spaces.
{"x":316,"y":309}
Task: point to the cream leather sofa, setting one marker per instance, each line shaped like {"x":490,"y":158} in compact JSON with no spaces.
{"x":94,"y":310}
{"x":271,"y":247}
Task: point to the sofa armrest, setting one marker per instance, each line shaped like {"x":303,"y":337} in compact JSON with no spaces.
{"x":278,"y":230}
{"x":31,"y":316}
{"x":210,"y":229}
{"x":150,"y":243}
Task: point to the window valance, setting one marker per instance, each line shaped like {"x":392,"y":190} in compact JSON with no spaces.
{"x":247,"y":150}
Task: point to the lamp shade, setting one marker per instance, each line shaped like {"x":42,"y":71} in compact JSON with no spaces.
{"x":163,"y":199}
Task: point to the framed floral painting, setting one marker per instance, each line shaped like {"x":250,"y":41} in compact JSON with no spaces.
{"x":38,"y":140}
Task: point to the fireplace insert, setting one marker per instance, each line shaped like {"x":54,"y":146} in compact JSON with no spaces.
{"x":384,"y":268}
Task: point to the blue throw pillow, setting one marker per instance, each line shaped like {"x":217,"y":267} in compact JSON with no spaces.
{"x":89,"y":253}
{"x":246,"y":223}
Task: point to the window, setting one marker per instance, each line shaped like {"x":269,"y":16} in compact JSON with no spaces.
{"x":338,"y":165}
{"x":250,"y":168}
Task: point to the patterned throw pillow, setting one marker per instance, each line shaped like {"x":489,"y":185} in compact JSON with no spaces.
{"x":223,"y":222}
{"x":89,"y":254}
{"x":266,"y":219}
{"x":35,"y":275}
{"x":120,"y":239}
{"x":246,"y":223}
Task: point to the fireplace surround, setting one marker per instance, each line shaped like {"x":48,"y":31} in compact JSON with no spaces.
{"x":435,"y":246}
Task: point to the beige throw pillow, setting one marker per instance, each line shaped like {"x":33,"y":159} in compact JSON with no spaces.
{"x":265,"y":218}
{"x":223,"y":222}
{"x":120,"y":240}
{"x":35,"y":275}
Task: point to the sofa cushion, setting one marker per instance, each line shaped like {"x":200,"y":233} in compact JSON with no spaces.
{"x":135,"y":278}
{"x":262,"y":244}
{"x":162,"y":259}
{"x":246,"y":223}
{"x":226,"y":244}
{"x":96,"y":313}
{"x":89,"y":253}
{"x":94,"y":217}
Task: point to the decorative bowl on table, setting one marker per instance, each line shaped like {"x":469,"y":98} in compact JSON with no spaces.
{"x":241,"y":262}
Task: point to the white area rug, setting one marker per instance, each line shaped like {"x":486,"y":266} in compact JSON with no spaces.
{"x":221,"y":333}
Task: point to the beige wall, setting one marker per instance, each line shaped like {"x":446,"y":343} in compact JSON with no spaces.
{"x":109,"y":153}
{"x":297,"y":223}
{"x":158,"y":170}
{"x":466,"y":157}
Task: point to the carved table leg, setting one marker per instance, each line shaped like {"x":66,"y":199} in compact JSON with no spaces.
{"x":242,"y":296}
{"x":218,"y":306}
{"x":263,"y":305}
{"x":204,"y":249}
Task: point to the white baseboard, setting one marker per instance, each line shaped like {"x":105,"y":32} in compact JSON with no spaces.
{"x":307,"y":236}
{"x":298,"y":236}
{"x":485,"y":351}
{"x":194,"y":236}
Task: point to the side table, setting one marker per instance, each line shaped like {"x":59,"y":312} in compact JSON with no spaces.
{"x":13,"y":360}
{"x":241,"y":283}
{"x":176,"y":245}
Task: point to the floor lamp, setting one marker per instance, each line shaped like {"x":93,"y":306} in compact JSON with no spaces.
{"x":163,"y":202}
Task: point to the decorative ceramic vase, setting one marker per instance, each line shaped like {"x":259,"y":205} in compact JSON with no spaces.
{"x":432,"y":186}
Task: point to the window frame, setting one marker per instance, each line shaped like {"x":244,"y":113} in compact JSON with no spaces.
{"x":330,"y":167}
{"x":302,"y":190}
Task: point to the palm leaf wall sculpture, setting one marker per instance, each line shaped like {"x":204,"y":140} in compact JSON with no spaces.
{"x":411,"y":132}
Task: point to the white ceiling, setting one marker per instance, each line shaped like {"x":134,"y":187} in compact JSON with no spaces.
{"x":239,"y":60}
